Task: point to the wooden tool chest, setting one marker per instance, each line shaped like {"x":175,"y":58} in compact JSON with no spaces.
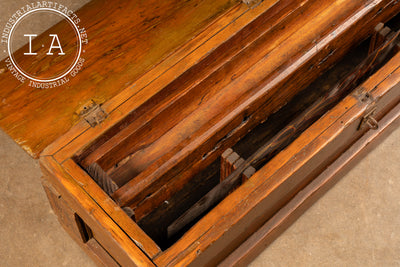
{"x":176,"y":96}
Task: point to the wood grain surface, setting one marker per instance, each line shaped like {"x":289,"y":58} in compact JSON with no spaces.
{"x":145,"y":32}
{"x":198,"y":139}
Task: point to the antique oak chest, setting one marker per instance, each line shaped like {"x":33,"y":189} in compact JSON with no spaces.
{"x":197,"y":131}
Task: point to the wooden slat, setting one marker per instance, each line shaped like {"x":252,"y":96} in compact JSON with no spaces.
{"x":229,"y":165}
{"x":206,"y":139}
{"x":306,"y":70}
{"x":290,"y":131}
{"x":284,"y":175}
{"x":104,"y":229}
{"x":255,"y":244}
{"x":263,"y":184}
{"x":228,"y":85}
{"x":153,"y":81}
{"x":145,"y":32}
{"x":224,"y":163}
{"x":119,"y":216}
{"x":181,"y":96}
{"x":248,"y":172}
{"x":374,"y":38}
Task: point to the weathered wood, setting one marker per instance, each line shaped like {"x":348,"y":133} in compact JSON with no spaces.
{"x":193,"y":88}
{"x":224,"y":165}
{"x":246,"y":209}
{"x":102,"y":200}
{"x":66,"y":217}
{"x":227,"y":163}
{"x":146,"y":32}
{"x":255,"y":244}
{"x":202,"y":141}
{"x":156,"y":222}
{"x":107,"y":233}
{"x":288,"y":134}
{"x":374,"y":38}
{"x":257,"y":137}
{"x":247,"y":173}
{"x":162,"y":91}
{"x":101,"y":178}
{"x":181,"y":178}
{"x":121,"y":109}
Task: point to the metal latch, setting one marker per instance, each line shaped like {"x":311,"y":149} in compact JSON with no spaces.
{"x":92,"y":113}
{"x":251,"y":2}
{"x":369,"y":120}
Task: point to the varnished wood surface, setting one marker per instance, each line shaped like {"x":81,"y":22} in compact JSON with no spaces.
{"x":206,"y":241}
{"x":130,"y":227}
{"x":145,"y":32}
{"x":185,"y":94}
{"x":290,"y":132}
{"x":110,"y":235}
{"x":66,"y":217}
{"x":204,"y":133}
{"x":121,"y":108}
{"x":255,"y":244}
{"x":284,"y":175}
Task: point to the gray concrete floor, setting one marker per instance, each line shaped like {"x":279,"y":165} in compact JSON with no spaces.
{"x":355,"y":224}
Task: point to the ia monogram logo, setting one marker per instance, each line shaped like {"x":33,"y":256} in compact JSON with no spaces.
{"x":49,"y":59}
{"x":55,"y":38}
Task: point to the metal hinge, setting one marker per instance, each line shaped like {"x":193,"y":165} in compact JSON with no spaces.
{"x":369,"y":120}
{"x":92,"y":113}
{"x":251,"y":2}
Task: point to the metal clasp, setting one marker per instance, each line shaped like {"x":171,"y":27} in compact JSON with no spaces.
{"x":92,"y":113}
{"x":251,"y":2}
{"x":369,"y":120}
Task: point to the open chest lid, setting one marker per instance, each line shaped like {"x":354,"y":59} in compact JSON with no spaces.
{"x":106,"y":46}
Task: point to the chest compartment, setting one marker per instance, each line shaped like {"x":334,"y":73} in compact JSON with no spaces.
{"x":205,"y":147}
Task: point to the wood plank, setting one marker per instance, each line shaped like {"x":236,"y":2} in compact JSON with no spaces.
{"x":155,"y":222}
{"x":224,"y":164}
{"x":144,"y":206}
{"x":289,"y":132}
{"x":135,"y":26}
{"x":203,"y":142}
{"x":202,"y":243}
{"x":266,"y":182}
{"x":213,"y":97}
{"x":229,"y":165}
{"x":374,"y":43}
{"x":110,"y":235}
{"x":119,"y":216}
{"x":139,"y":92}
{"x":255,"y":244}
{"x":180,"y":96}
{"x":66,"y":217}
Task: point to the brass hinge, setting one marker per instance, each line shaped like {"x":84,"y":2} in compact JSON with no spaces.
{"x":92,"y":113}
